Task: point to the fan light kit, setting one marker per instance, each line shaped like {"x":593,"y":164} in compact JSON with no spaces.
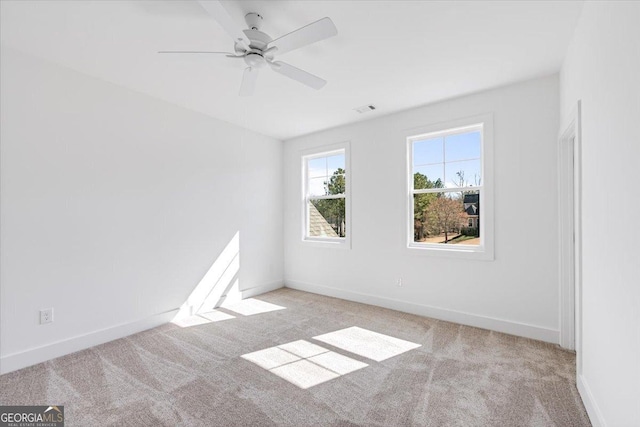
{"x":258,"y":50}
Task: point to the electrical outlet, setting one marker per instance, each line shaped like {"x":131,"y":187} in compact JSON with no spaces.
{"x":46,"y":316}
{"x":400,"y":281}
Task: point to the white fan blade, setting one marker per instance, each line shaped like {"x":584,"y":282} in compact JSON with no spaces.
{"x":316,"y":31}
{"x":248,"y":81}
{"x":195,"y":51}
{"x":220,"y":14}
{"x":298,"y":74}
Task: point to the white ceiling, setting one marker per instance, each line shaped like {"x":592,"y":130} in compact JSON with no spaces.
{"x":394,"y":54}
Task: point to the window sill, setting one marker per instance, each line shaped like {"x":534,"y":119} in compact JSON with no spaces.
{"x":327,"y":243}
{"x":461,"y":252}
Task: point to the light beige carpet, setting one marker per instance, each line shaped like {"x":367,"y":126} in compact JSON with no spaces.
{"x":368,"y":367}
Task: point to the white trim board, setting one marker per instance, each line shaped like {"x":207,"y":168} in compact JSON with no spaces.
{"x":261,"y":289}
{"x":22,"y":359}
{"x":570,"y":235}
{"x":478,"y":321}
{"x":595,"y":416}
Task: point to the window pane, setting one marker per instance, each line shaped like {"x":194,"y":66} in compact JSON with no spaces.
{"x":317,"y":167}
{"x":422,"y":181}
{"x":317,"y":186}
{"x":427,"y":151}
{"x":463,"y":146}
{"x":334,"y":163}
{"x":463,"y":174}
{"x":447,"y":218}
{"x":430,"y":174}
{"x":327,"y":218}
{"x":336,"y":184}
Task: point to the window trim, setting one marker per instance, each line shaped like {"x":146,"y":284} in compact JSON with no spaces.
{"x":317,"y":152}
{"x":485,"y":251}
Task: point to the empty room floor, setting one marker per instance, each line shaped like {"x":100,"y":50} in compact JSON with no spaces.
{"x":300,"y":359}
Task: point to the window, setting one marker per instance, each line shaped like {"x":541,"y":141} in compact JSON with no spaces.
{"x":448,"y":201}
{"x":326,"y":208}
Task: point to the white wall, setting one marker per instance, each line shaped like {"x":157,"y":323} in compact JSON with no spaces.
{"x":602,"y":69}
{"x":515,"y":293}
{"x":115,"y":205}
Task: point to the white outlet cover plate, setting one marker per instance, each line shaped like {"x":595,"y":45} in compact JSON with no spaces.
{"x":46,"y":316}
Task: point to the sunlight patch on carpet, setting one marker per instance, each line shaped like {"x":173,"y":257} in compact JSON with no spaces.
{"x":251,"y":306}
{"x":217,"y":316}
{"x":270,"y":358}
{"x":365,"y":343}
{"x":303,"y":349}
{"x":202,"y":319}
{"x":304,"y":364}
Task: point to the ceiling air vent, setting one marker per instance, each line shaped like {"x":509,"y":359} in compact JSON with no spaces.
{"x":365,"y":108}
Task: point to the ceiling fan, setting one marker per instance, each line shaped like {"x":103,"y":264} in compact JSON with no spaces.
{"x":258,"y":50}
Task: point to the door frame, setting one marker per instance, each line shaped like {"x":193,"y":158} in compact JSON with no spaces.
{"x":570,"y":232}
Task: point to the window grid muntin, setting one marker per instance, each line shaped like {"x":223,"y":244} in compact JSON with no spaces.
{"x":444,"y":134}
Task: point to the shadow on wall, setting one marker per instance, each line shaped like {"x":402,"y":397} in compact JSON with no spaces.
{"x":220,"y":286}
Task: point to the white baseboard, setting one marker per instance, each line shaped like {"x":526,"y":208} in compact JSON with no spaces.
{"x":262,"y":289}
{"x":589,"y":403}
{"x":499,"y":325}
{"x":15,"y":361}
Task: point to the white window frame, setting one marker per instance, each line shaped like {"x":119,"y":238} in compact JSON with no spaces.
{"x":484,"y":251}
{"x":314,"y":153}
